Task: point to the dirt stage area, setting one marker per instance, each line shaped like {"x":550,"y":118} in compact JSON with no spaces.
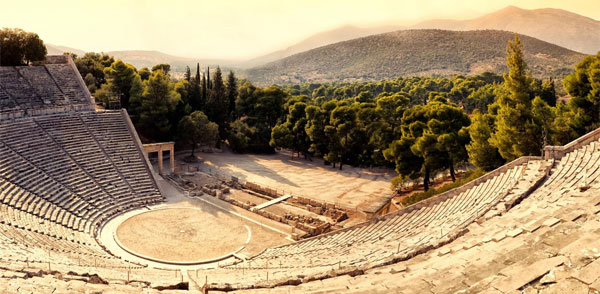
{"x":183,"y":234}
{"x":351,"y":187}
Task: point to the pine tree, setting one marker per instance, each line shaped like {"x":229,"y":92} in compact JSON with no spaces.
{"x":481,"y":153}
{"x":158,"y":100}
{"x":517,"y":133}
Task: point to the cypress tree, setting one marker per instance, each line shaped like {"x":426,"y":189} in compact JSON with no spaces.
{"x":203,"y":90}
{"x":198,"y":73}
{"x":231,"y":94}
{"x":217,"y":104}
{"x":208,"y":83}
{"x":188,"y":73}
{"x":194,"y":91}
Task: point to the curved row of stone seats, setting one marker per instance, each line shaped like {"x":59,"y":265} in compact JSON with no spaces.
{"x":44,"y":86}
{"x":30,"y":277}
{"x":40,"y":167}
{"x":17,"y":88}
{"x":68,"y":81}
{"x":402,"y":233}
{"x":576,"y":169}
{"x":32,"y":222}
{"x":57,"y":158}
{"x":42,"y":89}
{"x":27,"y":188}
{"x":7,"y":104}
{"x":546,"y":244}
{"x":109,"y":129}
{"x":37,"y":249}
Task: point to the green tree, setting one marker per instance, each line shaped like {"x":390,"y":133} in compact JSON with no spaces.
{"x":548,"y":92}
{"x":231,"y":93}
{"x":543,"y":117}
{"x":563,"y":128}
{"x":448,"y":125}
{"x":144,"y":73}
{"x":517,"y":133}
{"x":18,"y":47}
{"x":218,"y":103}
{"x":196,"y":129}
{"x":390,"y":109}
{"x":481,"y":153}
{"x":158,"y":100}
{"x":292,"y":133}
{"x":90,"y":82}
{"x":260,"y":110}
{"x":240,"y":136}
{"x":584,"y":88}
{"x":343,"y":120}
{"x":166,"y":68}
{"x":93,"y":64}
{"x":317,"y":120}
{"x":120,"y":77}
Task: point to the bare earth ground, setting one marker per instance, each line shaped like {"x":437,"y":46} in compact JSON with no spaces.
{"x":350,"y":188}
{"x":219,"y":226}
{"x":183,"y":234}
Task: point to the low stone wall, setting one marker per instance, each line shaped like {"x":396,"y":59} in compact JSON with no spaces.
{"x":262,"y":190}
{"x":557,"y":152}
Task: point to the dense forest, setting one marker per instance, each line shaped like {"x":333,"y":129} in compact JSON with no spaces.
{"x":421,"y":126}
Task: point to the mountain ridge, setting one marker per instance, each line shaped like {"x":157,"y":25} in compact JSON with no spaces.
{"x":413,"y":52}
{"x":547,"y":24}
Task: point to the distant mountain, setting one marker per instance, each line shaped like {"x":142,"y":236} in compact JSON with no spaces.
{"x":146,"y":58}
{"x":321,"y":39}
{"x":414,"y":52}
{"x":556,"y":26}
{"x":59,"y":50}
{"x":560,"y":27}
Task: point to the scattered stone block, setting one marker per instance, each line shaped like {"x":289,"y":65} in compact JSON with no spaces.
{"x":520,"y":274}
{"x":532,"y":226}
{"x":589,"y":273}
{"x":551,"y":222}
{"x":514,"y":232}
{"x":499,"y":237}
{"x":444,"y":251}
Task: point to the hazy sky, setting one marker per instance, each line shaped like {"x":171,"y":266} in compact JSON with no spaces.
{"x":231,"y":29}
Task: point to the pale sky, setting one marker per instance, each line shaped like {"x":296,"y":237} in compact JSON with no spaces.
{"x":232,"y":28}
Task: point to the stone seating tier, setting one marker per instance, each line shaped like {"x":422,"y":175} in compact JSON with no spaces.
{"x":42,"y":89}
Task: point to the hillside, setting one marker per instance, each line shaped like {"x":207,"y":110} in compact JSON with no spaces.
{"x":320,"y":39}
{"x":414,"y":52}
{"x":148,"y":58}
{"x":556,"y":26}
{"x":59,"y":50}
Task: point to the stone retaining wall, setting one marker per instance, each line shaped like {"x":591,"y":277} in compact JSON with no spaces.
{"x":557,"y":152}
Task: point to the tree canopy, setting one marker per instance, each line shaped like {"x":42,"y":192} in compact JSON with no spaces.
{"x":196,"y":128}
{"x":421,"y":126}
{"x":18,"y":47}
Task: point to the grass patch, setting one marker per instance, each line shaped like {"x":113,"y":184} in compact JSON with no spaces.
{"x":466,"y":177}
